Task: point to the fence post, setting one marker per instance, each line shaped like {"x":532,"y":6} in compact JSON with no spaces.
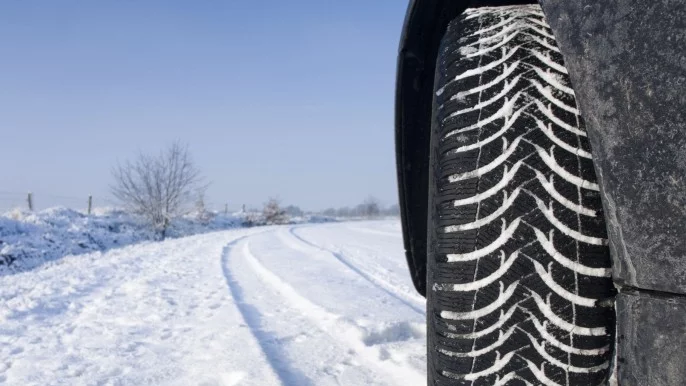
{"x":90,"y":203}
{"x":30,"y":201}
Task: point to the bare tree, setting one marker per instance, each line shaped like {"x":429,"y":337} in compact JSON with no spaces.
{"x":272,"y":212}
{"x":370,"y":207}
{"x":157,"y":187}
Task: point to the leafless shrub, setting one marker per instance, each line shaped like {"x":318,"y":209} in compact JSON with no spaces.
{"x":273,"y":214}
{"x":251,"y":219}
{"x":157,"y":187}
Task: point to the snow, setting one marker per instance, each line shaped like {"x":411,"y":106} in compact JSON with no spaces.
{"x":466,"y":50}
{"x":30,"y":239}
{"x":307,"y":304}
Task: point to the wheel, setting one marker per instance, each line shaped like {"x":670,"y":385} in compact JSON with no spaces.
{"x":517,"y":258}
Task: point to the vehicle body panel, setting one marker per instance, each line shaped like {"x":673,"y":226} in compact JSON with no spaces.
{"x":627,"y":62}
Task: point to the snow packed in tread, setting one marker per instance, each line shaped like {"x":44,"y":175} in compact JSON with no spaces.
{"x":520,"y":255}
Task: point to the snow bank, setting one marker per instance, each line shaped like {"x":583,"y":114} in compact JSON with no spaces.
{"x":30,"y":239}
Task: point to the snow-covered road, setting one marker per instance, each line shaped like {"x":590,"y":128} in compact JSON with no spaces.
{"x":328,"y":304}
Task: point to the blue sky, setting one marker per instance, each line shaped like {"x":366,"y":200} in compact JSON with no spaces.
{"x":275,"y":98}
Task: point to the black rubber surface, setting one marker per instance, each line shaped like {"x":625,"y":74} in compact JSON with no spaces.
{"x":518,"y":254}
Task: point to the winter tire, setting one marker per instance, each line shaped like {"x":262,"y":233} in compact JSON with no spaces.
{"x":518,"y":261}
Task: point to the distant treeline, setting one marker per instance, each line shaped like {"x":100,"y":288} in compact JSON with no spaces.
{"x":369,"y":208}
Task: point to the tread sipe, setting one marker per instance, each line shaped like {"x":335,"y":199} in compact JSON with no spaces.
{"x":518,"y":255}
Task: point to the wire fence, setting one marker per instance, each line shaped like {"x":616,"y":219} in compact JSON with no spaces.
{"x":36,"y":201}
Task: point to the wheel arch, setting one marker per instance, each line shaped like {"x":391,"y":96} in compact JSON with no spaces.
{"x":424,"y":26}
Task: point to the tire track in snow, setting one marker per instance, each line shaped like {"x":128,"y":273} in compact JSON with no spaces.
{"x":376,"y":282}
{"x":347,"y":332}
{"x":287,"y":374}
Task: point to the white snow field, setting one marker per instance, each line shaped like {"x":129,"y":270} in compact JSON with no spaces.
{"x":315,"y":304}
